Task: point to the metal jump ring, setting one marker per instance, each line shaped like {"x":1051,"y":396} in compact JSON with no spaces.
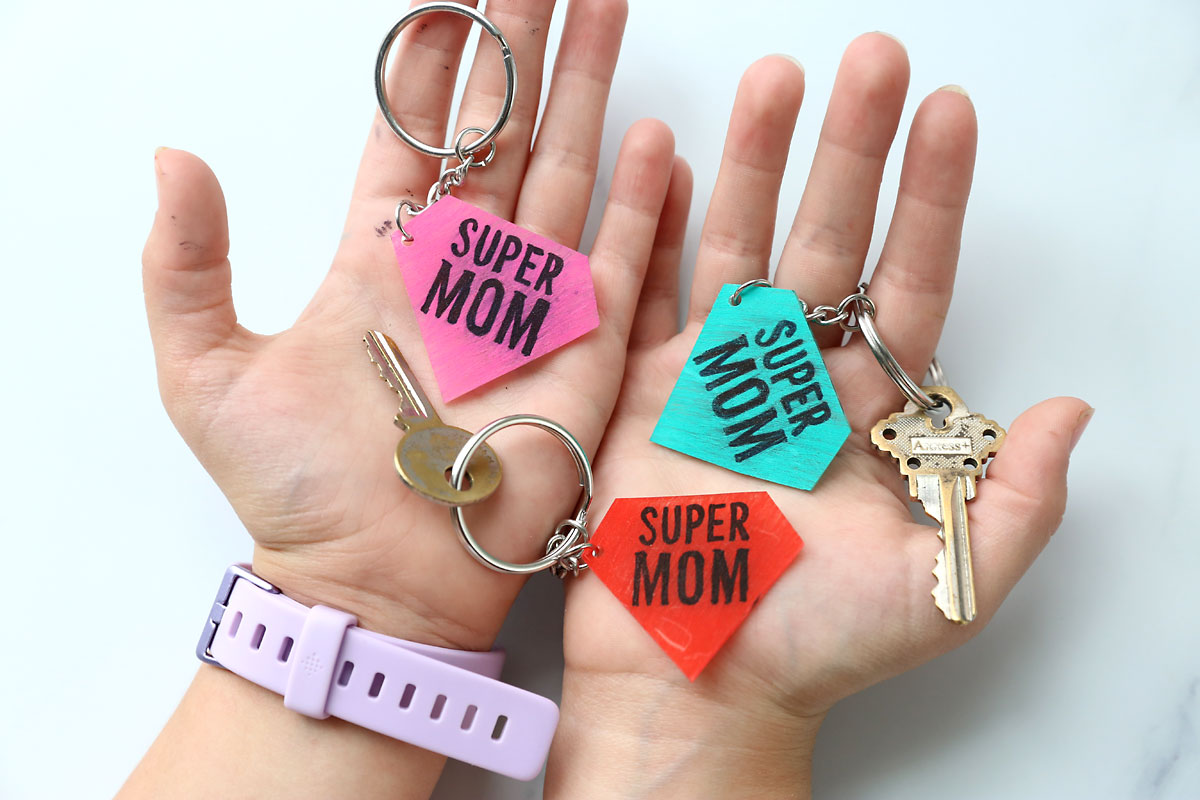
{"x":866,"y":324}
{"x":413,"y":210}
{"x":510,"y":78}
{"x":467,"y":154}
{"x":570,"y":548}
{"x":854,"y":306}
{"x":458,"y":474}
{"x":736,"y":297}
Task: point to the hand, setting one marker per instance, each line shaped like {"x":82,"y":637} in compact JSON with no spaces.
{"x":297,"y":429}
{"x":855,"y":607}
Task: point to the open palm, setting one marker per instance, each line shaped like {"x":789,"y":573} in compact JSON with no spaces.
{"x":294,"y":428}
{"x":855,"y":606}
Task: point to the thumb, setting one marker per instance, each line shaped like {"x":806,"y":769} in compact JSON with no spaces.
{"x":186,"y":273}
{"x":185,"y":265}
{"x":1021,"y":501}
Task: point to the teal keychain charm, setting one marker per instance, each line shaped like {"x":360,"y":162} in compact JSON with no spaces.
{"x":754,"y":396}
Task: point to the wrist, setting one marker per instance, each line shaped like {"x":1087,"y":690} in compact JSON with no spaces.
{"x":393,"y":613}
{"x":324,"y":665}
{"x":677,"y":739}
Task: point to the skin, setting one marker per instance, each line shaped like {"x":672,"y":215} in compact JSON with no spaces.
{"x":855,"y":607}
{"x":297,"y":431}
{"x":298,"y":434}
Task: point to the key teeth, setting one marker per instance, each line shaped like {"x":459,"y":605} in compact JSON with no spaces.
{"x":941,"y":590}
{"x":378,"y":365}
{"x":941,"y":593}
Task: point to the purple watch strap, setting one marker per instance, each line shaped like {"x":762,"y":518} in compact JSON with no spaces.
{"x":447,"y":701}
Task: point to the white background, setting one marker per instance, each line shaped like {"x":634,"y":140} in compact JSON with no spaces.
{"x":1078,"y":276}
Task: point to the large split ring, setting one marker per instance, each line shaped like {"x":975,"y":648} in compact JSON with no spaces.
{"x":569,"y":534}
{"x":510,"y":82}
{"x":866,"y":323}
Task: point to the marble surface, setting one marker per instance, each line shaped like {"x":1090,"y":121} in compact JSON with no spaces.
{"x":1079,"y":276}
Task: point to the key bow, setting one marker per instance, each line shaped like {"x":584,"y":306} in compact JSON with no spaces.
{"x":428,"y":447}
{"x":963,"y":444}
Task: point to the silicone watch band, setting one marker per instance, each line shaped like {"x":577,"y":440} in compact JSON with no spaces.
{"x":447,"y":701}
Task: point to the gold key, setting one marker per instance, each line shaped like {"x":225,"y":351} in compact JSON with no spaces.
{"x":942,"y":464}
{"x":429,"y":446}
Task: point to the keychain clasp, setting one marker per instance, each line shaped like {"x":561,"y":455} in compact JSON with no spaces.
{"x":510,"y":85}
{"x":461,"y":149}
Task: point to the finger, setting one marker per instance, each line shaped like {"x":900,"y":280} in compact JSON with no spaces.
{"x":420,"y":88}
{"x":557,"y":188}
{"x":914,"y":280}
{"x":185,"y":264}
{"x":1020,"y":504}
{"x":625,"y":239}
{"x":657,"y":315}
{"x":525,"y":24}
{"x":735,"y":243}
{"x":827,"y":245}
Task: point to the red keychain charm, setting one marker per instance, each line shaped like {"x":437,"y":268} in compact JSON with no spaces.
{"x":691,"y":568}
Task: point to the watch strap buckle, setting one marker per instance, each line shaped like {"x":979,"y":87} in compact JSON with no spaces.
{"x":235,"y":573}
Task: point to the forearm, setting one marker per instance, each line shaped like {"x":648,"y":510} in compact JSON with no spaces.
{"x":625,"y":736}
{"x":231,"y":738}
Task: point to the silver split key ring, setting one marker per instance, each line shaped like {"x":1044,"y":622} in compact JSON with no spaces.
{"x":459,"y":149}
{"x":909,"y":387}
{"x":570,"y":537}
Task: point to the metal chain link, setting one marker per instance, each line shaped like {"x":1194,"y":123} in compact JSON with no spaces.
{"x":450,"y":178}
{"x":845,"y":314}
{"x":570,"y":546}
{"x":856,"y":313}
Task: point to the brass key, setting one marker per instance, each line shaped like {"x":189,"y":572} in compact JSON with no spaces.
{"x":942,"y":465}
{"x":429,"y":446}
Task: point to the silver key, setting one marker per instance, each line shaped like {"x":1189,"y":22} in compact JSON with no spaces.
{"x":429,"y":446}
{"x":942,"y":465}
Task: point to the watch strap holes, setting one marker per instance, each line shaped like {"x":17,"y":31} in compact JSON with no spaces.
{"x":256,"y":639}
{"x":498,"y":728}
{"x":344,"y":675}
{"x":285,"y":649}
{"x":469,"y":718}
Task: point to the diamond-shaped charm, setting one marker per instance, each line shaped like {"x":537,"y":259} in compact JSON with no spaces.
{"x":754,"y":395}
{"x":489,"y":295}
{"x":689,"y":569}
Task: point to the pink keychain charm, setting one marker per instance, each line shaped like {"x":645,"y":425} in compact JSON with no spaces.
{"x":489,"y":295}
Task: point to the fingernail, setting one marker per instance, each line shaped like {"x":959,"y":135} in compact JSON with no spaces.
{"x":1081,"y":424}
{"x":792,"y":59}
{"x":954,"y":87}
{"x":894,"y":38}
